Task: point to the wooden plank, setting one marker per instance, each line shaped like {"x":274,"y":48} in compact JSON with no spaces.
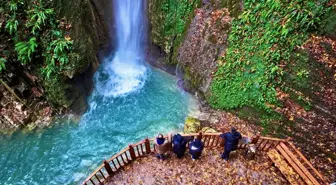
{"x":92,"y":174}
{"x":206,"y":143}
{"x":115,"y":166}
{"x":307,"y":162}
{"x":271,"y":143}
{"x":142,"y":150}
{"x":92,"y":182}
{"x":258,"y":144}
{"x":102,"y":174}
{"x":284,"y":168}
{"x":139,"y":151}
{"x":266,"y":142}
{"x":211,"y":141}
{"x":97,"y":178}
{"x":119,"y":162}
{"x":122,"y":158}
{"x":272,"y":139}
{"x":293,"y":164}
{"x":299,"y":164}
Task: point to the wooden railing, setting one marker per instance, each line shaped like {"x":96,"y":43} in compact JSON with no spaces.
{"x":145,"y":147}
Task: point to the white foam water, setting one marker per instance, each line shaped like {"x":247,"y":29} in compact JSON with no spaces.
{"x":124,"y":71}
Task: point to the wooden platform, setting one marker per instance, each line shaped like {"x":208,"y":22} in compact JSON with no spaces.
{"x":286,"y":157}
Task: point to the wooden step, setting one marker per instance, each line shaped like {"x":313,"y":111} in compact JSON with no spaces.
{"x":296,"y":164}
{"x":290,"y":174}
{"x":307,"y":163}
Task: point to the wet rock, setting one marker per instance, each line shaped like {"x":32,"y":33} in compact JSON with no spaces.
{"x":204,"y":116}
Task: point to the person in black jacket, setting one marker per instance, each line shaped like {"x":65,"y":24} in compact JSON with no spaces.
{"x":179,"y":145}
{"x":231,"y":142}
{"x":196,"y":148}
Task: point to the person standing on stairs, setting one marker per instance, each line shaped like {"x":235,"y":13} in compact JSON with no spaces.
{"x":179,"y":145}
{"x":162,"y":146}
{"x":196,"y":148}
{"x":231,"y":142}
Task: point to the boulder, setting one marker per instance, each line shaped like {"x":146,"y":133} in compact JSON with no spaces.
{"x":192,"y":125}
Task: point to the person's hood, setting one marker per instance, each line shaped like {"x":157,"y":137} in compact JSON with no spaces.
{"x":235,"y":135}
{"x":197,"y":143}
{"x":160,"y":141}
{"x":178,"y":139}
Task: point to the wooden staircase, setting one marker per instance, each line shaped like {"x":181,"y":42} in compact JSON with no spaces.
{"x":294,"y":166}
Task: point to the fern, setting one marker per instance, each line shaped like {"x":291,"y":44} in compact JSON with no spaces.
{"x":26,"y":49}
{"x":12,"y":25}
{"x":38,"y":17}
{"x":2,"y":64}
{"x":56,"y":54}
{"x":13,"y":6}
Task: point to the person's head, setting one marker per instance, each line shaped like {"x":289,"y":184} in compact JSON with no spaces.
{"x":233,"y":130}
{"x":178,"y":138}
{"x":197,"y":142}
{"x":160,"y":139}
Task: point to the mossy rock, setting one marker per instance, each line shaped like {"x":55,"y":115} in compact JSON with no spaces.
{"x":208,"y":130}
{"x":192,"y":125}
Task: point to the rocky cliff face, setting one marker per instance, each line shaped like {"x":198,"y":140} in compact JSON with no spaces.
{"x":204,"y":42}
{"x":200,"y":43}
{"x":89,"y":30}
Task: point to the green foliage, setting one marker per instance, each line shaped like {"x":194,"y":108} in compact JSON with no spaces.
{"x":12,"y":25}
{"x":2,"y":64}
{"x":26,"y":49}
{"x":38,"y":16}
{"x":56,"y":90}
{"x":328,"y":22}
{"x":175,"y":17}
{"x":56,"y":54}
{"x":39,"y":38}
{"x":261,"y":39}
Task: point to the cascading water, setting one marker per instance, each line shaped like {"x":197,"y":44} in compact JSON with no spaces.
{"x":124,"y":72}
{"x":119,"y":114}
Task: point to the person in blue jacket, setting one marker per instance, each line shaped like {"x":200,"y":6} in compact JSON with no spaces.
{"x":195,"y":149}
{"x":179,"y":145}
{"x":231,"y":142}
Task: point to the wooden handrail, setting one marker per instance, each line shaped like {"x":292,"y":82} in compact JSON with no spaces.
{"x":210,"y":140}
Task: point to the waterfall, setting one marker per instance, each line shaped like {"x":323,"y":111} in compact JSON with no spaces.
{"x":124,"y":71}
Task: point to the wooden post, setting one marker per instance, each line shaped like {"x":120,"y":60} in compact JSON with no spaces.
{"x":255,"y":139}
{"x":132,"y":153}
{"x":147,"y":145}
{"x":222,"y":141}
{"x":108,"y":168}
{"x":170,"y":140}
{"x":199,"y":136}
